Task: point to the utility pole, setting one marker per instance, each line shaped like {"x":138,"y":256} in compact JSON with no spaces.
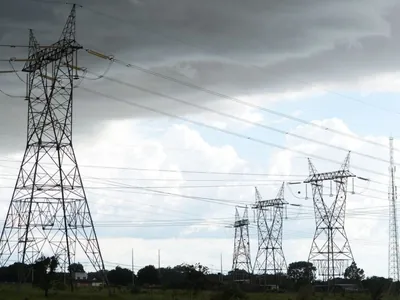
{"x":241,"y":265}
{"x":133,"y":269}
{"x":159,"y":264}
{"x":330,"y":249}
{"x":393,"y":229}
{"x":270,"y":259}
{"x":159,"y":260}
{"x":49,"y":208}
{"x":222,"y":274}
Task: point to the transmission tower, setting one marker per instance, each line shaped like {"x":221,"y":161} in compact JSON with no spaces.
{"x":49,"y":212}
{"x":270,"y":259}
{"x":330,"y":250}
{"x":393,"y":242}
{"x":241,"y":266}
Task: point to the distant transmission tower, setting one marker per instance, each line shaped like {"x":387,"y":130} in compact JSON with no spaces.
{"x":330,"y":250}
{"x":49,"y":212}
{"x":393,"y":241}
{"x":270,"y":259}
{"x":241,"y":266}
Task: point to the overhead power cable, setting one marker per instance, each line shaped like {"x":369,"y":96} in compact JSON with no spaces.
{"x":241,"y":119}
{"x":231,"y":181}
{"x":216,"y":221}
{"x":176,"y":171}
{"x":238,"y":202}
{"x":234,"y":60}
{"x":226,"y":131}
{"x":111,"y":58}
{"x":226,"y":97}
{"x":105,"y":187}
{"x":221,"y":221}
{"x":11,"y":96}
{"x":230,"y":98}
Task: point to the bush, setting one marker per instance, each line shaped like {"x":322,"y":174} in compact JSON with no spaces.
{"x":376,"y":292}
{"x":59,"y":285}
{"x":305,"y":292}
{"x":229,"y":293}
{"x":134,"y":289}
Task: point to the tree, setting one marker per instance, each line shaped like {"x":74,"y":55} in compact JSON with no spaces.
{"x":377,"y":286}
{"x":76,"y":268}
{"x":120,"y":276}
{"x":172,"y":278}
{"x":195,"y":275}
{"x":354,"y":273}
{"x":301,"y":272}
{"x":148,"y":275}
{"x":98,"y":275}
{"x":12,"y":272}
{"x":44,"y":270}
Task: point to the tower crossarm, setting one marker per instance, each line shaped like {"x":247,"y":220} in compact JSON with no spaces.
{"x":241,"y":223}
{"x":263,"y":204}
{"x":50,"y":54}
{"x":313,"y":178}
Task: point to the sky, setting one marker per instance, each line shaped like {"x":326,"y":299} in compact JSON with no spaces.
{"x":242,"y":94}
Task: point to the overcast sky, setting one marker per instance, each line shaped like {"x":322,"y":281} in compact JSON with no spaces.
{"x":334,"y":64}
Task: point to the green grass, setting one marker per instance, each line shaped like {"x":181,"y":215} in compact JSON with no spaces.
{"x":9,"y":292}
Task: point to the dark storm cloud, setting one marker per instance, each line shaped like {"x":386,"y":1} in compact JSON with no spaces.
{"x":256,"y":28}
{"x":215,"y":44}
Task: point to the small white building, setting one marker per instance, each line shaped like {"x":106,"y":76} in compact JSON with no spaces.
{"x":80,"y":276}
{"x":97,"y":283}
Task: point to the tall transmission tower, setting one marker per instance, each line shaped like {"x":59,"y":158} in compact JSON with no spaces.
{"x":49,"y":212}
{"x":393,"y":241}
{"x":241,"y":266}
{"x":330,"y":250}
{"x":270,"y":259}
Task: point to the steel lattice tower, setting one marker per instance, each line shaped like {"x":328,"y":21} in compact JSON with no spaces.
{"x":393,"y":240}
{"x":49,"y":212}
{"x":270,"y":259}
{"x":241,"y":249}
{"x":330,"y":250}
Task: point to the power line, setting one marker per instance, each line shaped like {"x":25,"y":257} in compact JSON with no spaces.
{"x":223,"y":221}
{"x":177,"y":171}
{"x":224,"y":130}
{"x":118,"y":185}
{"x":241,"y":119}
{"x":164,"y":224}
{"x":167,"y":187}
{"x":226,"y":97}
{"x":184,"y":42}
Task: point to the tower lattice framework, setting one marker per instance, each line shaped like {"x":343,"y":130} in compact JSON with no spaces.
{"x":270,"y":259}
{"x":241,"y":266}
{"x":49,"y":212}
{"x":393,"y":229}
{"x":330,"y":250}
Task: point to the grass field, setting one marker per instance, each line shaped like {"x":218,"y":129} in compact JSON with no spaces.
{"x":10,"y":292}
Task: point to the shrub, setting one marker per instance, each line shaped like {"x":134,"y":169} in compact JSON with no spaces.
{"x":231,"y":292}
{"x":305,"y":292}
{"x":134,"y":289}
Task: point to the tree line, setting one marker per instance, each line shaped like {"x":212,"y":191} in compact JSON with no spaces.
{"x":44,"y":274}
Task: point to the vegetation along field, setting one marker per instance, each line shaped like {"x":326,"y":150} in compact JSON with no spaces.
{"x":43,"y":281}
